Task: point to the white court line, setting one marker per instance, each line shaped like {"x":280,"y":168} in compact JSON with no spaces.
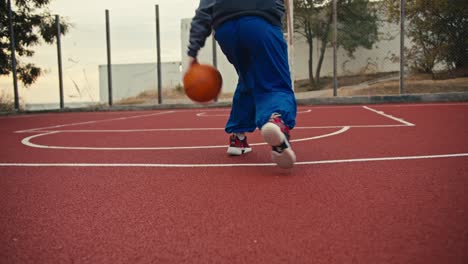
{"x":152,"y":165}
{"x":93,"y":122}
{"x":351,"y":126}
{"x":23,"y":116}
{"x":204,"y":114}
{"x":421,"y":104}
{"x":202,"y":129}
{"x":389,"y":116}
{"x":313,"y":107}
{"x":133,"y":130}
{"x":27,"y":141}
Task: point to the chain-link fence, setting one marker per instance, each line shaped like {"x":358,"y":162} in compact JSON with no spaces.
{"x":368,"y":50}
{"x":107,"y":60}
{"x":341,"y":48}
{"x":437,"y":46}
{"x":375,"y":54}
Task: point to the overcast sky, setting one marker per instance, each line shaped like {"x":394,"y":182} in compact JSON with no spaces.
{"x":132,"y":24}
{"x":133,"y":35}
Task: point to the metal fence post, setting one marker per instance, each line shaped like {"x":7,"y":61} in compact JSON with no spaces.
{"x":335,"y":48}
{"x":13,"y":57}
{"x":59,"y":58}
{"x":402,"y":46}
{"x":215,"y":57}
{"x":158,"y":48}
{"x":109,"y":61}
{"x":290,"y":40}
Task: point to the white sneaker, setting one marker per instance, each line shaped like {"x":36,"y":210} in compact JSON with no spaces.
{"x":276,"y":134}
{"x":238,"y":147}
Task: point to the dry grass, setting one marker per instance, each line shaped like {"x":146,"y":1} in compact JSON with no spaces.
{"x":415,"y":84}
{"x":412,"y":86}
{"x":327,"y":82}
{"x":388,"y":84}
{"x":7,"y":103}
{"x":139,"y":99}
{"x":150,"y":96}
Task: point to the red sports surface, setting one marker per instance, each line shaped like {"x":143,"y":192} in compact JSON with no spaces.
{"x":373,"y":184}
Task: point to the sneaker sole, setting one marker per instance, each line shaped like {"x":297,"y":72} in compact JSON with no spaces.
{"x":272,"y":134}
{"x":274,"y":137}
{"x":233,"y":151}
{"x":285,"y":159}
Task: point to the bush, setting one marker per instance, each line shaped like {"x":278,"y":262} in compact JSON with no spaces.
{"x":7,"y":103}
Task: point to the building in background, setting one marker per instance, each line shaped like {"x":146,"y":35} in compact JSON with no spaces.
{"x":206,"y":56}
{"x":381,"y":58}
{"x":130,"y":80}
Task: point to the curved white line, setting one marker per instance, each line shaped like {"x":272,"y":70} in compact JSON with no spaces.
{"x":27,"y":141}
{"x":458,"y":155}
{"x":344,"y":129}
{"x":197,"y":129}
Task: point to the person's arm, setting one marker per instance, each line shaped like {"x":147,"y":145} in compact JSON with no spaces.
{"x":200,"y":28}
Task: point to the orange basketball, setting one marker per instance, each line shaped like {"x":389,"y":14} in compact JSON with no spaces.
{"x":202,"y":82}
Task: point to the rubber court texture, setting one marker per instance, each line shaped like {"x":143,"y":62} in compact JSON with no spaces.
{"x":372,"y":184}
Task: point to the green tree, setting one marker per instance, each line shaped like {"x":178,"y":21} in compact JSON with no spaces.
{"x":306,"y":23}
{"x":33,"y":24}
{"x":357,"y":27}
{"x":438,"y":30}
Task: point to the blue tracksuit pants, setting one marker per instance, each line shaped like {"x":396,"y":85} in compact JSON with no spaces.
{"x":258,"y":51}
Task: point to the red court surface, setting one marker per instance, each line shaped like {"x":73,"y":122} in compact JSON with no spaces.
{"x":372,"y":184}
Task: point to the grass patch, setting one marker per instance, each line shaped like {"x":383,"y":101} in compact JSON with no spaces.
{"x":150,"y":96}
{"x":389,"y":84}
{"x":350,"y":86}
{"x":412,"y":86}
{"x":7,"y":103}
{"x":327,"y":82}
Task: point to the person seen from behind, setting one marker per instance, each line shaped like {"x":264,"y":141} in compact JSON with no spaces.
{"x":250,"y":35}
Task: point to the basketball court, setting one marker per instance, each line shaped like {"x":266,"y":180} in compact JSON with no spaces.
{"x":372,"y":184}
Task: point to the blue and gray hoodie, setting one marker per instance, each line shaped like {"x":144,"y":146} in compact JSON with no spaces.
{"x":212,"y":13}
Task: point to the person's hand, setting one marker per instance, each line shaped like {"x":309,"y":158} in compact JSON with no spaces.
{"x":192,"y":61}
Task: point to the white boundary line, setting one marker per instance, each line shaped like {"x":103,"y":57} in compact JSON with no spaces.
{"x":152,"y":165}
{"x":27,"y":141}
{"x":399,"y":105}
{"x":53,"y":128}
{"x":127,"y":130}
{"x":204,"y":114}
{"x":351,"y":126}
{"x":389,"y":116}
{"x":423,"y":104}
{"x":93,"y":122}
{"x":44,"y":132}
{"x":343,"y":129}
{"x":199,"y":129}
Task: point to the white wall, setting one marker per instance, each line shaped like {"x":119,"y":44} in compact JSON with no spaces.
{"x":377,"y":59}
{"x":129,"y":80}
